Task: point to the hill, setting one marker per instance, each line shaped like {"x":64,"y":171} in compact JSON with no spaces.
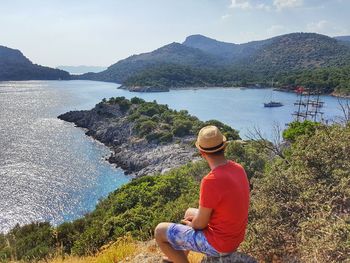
{"x":300,"y":51}
{"x":15,"y":66}
{"x":201,"y":61}
{"x":227,"y":51}
{"x":172,"y":54}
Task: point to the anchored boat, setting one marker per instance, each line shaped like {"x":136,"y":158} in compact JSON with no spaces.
{"x":273,"y":104}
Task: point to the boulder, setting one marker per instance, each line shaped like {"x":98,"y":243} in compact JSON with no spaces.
{"x":236,"y":257}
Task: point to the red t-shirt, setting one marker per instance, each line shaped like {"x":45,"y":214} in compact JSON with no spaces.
{"x":226,"y":190}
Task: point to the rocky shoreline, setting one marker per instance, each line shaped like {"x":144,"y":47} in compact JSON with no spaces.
{"x":145,"y":88}
{"x":136,"y":156}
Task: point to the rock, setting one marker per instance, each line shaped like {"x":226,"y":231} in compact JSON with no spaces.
{"x":109,"y":125}
{"x":232,"y":258}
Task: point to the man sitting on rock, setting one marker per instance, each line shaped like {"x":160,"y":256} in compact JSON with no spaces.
{"x":218,"y":226}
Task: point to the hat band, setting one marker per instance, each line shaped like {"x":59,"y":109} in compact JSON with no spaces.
{"x":212,"y":148}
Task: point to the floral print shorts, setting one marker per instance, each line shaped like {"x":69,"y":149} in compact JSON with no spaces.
{"x":182,"y":237}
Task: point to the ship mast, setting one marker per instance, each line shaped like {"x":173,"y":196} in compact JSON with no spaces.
{"x":309,"y":107}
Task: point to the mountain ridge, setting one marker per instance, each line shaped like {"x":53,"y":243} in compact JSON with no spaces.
{"x":201,"y":61}
{"x":15,"y":66}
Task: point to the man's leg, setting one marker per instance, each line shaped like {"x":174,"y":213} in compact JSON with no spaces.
{"x":160,"y":233}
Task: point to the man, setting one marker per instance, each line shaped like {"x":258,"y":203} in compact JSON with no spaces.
{"x":218,"y":226}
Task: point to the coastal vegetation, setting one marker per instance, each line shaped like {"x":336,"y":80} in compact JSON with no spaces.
{"x":159,"y":124}
{"x":325,"y":80}
{"x":299,"y":201}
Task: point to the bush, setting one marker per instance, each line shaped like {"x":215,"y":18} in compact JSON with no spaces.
{"x":136,"y":100}
{"x":31,"y":242}
{"x":298,"y":206}
{"x":181,"y":127}
{"x":296,"y":129}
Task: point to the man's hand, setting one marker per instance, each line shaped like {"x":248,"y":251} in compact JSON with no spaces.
{"x":186,"y":222}
{"x":200,"y":220}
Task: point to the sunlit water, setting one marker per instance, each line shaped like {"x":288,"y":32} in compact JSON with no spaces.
{"x":49,"y":169}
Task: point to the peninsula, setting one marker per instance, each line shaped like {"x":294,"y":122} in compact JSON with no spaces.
{"x":145,"y":137}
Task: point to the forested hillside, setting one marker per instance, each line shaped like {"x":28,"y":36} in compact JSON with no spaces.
{"x":172,"y":54}
{"x":15,"y":66}
{"x":201,"y":61}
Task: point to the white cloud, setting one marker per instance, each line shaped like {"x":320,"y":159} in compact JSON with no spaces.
{"x":241,"y":4}
{"x":247,"y":5}
{"x":226,"y":16}
{"x":284,"y":4}
{"x":263,"y":6}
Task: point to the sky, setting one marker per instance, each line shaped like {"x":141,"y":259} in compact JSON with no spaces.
{"x":101,"y":32}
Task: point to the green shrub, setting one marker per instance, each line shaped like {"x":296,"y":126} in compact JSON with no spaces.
{"x":296,"y":129}
{"x":136,"y":100}
{"x":181,"y":127}
{"x":166,"y":137}
{"x":146,"y":127}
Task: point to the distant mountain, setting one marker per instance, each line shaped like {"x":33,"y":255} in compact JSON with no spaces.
{"x":227,"y":51}
{"x":298,"y":51}
{"x":15,"y":66}
{"x":291,"y":51}
{"x":81,"y":69}
{"x":202,"y":61}
{"x":172,"y":54}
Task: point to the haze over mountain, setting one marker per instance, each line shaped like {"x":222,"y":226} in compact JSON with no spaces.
{"x":15,"y":66}
{"x":81,"y":69}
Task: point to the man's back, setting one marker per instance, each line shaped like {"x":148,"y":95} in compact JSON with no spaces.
{"x":226,"y":190}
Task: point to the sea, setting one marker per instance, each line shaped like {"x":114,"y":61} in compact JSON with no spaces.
{"x":51,"y":171}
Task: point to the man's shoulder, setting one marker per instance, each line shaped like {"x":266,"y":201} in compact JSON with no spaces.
{"x":234,"y":165}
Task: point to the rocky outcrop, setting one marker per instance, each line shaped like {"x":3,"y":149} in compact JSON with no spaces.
{"x":232,"y":258}
{"x":108,"y":124}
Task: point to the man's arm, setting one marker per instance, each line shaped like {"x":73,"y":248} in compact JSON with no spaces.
{"x":200,"y":220}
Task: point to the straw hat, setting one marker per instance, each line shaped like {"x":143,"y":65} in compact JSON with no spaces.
{"x":210,"y":140}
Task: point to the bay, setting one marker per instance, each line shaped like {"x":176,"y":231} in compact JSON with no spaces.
{"x":51,"y":171}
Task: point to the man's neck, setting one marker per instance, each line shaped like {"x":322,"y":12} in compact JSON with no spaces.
{"x":214,"y":163}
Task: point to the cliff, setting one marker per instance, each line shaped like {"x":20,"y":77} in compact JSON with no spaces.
{"x":110,"y":125}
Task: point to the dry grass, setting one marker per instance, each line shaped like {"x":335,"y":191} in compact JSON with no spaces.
{"x":125,"y":250}
{"x":195,"y":257}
